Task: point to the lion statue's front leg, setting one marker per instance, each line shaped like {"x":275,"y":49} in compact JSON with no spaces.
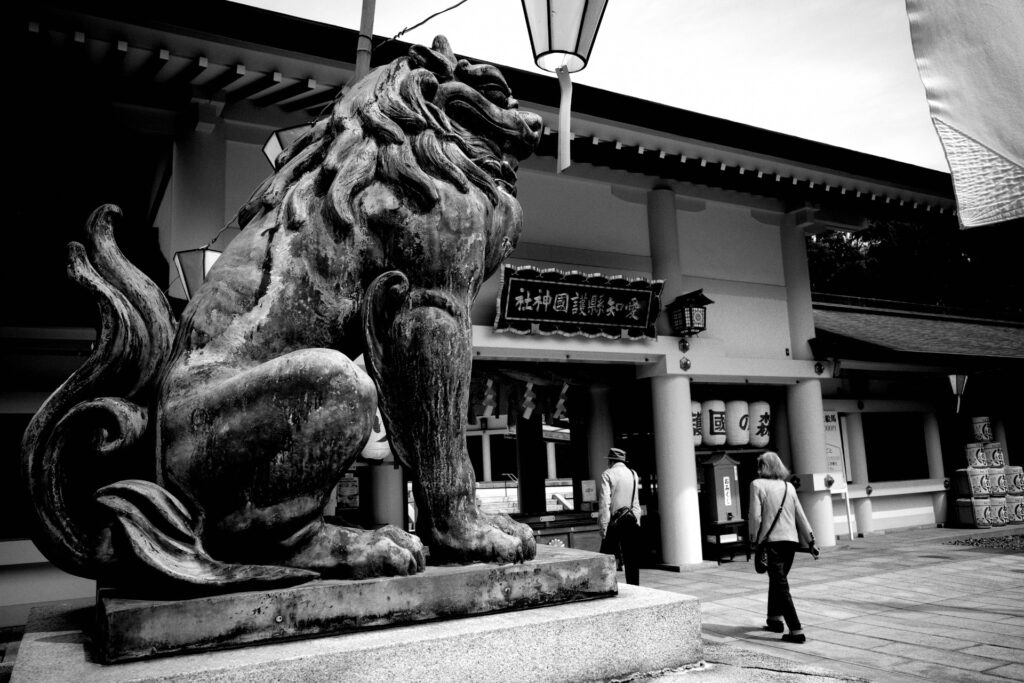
{"x":420,"y":351}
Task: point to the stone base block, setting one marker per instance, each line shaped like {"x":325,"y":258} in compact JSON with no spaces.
{"x":134,"y":629}
{"x":639,"y":630}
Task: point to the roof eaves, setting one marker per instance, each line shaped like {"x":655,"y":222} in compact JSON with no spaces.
{"x":242,"y":24}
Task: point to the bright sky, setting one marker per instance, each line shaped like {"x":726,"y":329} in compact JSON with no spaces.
{"x":836,"y":71}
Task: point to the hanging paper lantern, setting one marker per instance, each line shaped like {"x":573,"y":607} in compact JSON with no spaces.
{"x":712,"y":423}
{"x":695,"y":416}
{"x":736,"y":418}
{"x":377,"y":448}
{"x":759,"y":425}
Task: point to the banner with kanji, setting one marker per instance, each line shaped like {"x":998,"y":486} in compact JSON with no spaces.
{"x":555,"y":302}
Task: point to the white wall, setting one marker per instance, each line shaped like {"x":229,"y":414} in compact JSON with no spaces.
{"x":890,"y":512}
{"x":737,"y":261}
{"x":246,"y":169}
{"x":568,"y":212}
{"x":724,"y":242}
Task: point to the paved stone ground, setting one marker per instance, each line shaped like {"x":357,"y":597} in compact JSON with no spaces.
{"x":904,"y":606}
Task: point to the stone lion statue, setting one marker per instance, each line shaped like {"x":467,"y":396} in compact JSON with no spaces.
{"x":203,"y":452}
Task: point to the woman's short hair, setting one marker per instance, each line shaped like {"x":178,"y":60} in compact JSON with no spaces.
{"x":769,"y":466}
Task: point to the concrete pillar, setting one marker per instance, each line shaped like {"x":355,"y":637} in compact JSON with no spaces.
{"x":859,"y":472}
{"x":388,"y":491}
{"x":599,"y":432}
{"x":936,"y":470}
{"x":676,"y":462}
{"x":798,"y":290}
{"x":485,"y":455}
{"x":803,"y":400}
{"x":807,"y":438}
{"x":664,"y":237}
{"x":552,"y":469}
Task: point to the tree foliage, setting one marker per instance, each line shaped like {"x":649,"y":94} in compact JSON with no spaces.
{"x":975,"y":270}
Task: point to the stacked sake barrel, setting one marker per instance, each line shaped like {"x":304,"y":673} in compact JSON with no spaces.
{"x":730,"y":423}
{"x":1014,"y":492}
{"x":990,"y":492}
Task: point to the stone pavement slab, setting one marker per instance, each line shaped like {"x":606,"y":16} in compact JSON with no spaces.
{"x":904,"y":606}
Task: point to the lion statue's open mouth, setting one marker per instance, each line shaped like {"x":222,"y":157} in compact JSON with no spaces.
{"x":483,"y":111}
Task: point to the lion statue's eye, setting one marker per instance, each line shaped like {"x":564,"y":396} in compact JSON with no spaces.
{"x":496,"y":96}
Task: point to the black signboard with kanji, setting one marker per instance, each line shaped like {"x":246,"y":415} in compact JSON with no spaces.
{"x":591,"y":305}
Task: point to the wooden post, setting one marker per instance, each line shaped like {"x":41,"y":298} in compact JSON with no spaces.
{"x":364,"y":45}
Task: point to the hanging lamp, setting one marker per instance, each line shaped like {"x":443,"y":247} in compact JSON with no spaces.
{"x":562,"y":34}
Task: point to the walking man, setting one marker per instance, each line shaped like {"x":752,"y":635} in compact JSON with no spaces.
{"x":619,"y":514}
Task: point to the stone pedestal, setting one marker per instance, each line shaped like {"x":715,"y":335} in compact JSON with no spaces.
{"x":573,"y":641}
{"x":131,"y":628}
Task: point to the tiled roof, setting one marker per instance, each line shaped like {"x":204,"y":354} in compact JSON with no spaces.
{"x":893,"y":336}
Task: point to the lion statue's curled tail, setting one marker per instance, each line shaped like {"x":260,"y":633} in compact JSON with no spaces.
{"x":203,"y":453}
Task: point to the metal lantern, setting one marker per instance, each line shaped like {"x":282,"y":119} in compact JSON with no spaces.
{"x":193,"y":265}
{"x":377,"y":447}
{"x":279,"y":141}
{"x":562,"y":32}
{"x":688,"y":313}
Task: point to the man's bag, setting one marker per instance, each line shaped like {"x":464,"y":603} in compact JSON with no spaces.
{"x":623,"y":518}
{"x":620,"y":523}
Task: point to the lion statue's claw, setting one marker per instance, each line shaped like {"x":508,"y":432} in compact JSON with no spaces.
{"x":345,"y":553}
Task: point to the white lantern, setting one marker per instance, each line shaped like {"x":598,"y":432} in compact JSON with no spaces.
{"x":193,"y":266}
{"x":759,"y":425}
{"x":377,"y":448}
{"x":695,"y":416}
{"x":712,"y":423}
{"x":562,"y":32}
{"x":736,"y":417}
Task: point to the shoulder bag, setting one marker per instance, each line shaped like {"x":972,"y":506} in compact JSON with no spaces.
{"x":761,"y":548}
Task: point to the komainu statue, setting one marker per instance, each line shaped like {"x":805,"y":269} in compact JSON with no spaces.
{"x":201,"y":453}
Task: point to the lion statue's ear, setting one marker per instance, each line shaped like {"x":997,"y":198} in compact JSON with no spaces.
{"x":444,"y":48}
{"x":438,"y":58}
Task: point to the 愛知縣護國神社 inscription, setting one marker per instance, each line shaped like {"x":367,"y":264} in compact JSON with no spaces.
{"x":571,"y":303}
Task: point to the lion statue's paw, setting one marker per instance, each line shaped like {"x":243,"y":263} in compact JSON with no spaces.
{"x":519,"y":530}
{"x":342,"y":552}
{"x":483,"y":538}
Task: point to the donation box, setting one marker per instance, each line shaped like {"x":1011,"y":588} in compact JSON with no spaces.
{"x":722,"y":490}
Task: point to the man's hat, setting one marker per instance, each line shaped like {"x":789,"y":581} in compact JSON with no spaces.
{"x":616,"y":455}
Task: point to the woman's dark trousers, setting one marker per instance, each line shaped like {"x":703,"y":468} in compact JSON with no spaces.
{"x":780,"y":602}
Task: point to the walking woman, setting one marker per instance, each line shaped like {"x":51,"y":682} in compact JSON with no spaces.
{"x":773,"y":498}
